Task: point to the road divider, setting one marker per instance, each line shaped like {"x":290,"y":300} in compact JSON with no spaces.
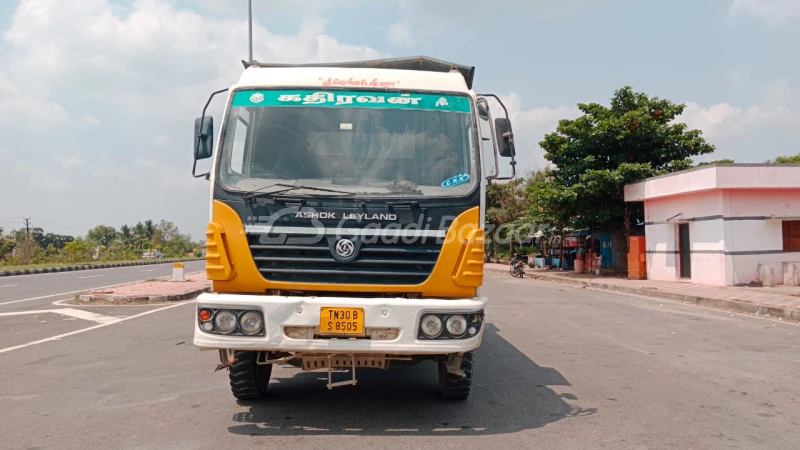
{"x":158,"y":290}
{"x":10,"y":273}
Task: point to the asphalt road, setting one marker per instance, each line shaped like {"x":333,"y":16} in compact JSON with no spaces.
{"x":560,"y":367}
{"x":28,"y":292}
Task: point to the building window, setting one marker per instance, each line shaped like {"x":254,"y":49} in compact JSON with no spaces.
{"x":791,"y":235}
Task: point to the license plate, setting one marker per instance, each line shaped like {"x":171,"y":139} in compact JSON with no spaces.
{"x":341,"y":320}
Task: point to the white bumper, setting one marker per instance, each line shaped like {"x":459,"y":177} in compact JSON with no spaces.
{"x":279,"y":312}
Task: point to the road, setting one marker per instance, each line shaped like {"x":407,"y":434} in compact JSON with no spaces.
{"x":28,"y":292}
{"x":560,"y":368}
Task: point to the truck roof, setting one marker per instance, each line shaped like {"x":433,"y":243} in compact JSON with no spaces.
{"x":418,"y":63}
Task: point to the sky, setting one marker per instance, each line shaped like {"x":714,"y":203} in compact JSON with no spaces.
{"x":98,"y":97}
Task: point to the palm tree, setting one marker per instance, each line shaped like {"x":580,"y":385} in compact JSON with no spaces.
{"x":149,"y":232}
{"x":140,"y":233}
{"x":127,"y":235}
{"x":150,"y":229}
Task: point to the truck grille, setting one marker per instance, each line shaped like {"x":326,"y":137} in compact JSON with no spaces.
{"x":378,"y":262}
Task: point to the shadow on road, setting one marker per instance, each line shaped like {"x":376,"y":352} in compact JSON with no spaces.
{"x":509,"y":394}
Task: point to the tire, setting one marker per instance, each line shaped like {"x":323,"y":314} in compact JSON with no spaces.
{"x":452,"y":386}
{"x":248,"y":379}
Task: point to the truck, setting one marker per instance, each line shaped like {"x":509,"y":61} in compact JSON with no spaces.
{"x":346,"y":229}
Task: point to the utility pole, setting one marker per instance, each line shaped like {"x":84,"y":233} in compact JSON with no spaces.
{"x":250,"y":26}
{"x":27,"y":227}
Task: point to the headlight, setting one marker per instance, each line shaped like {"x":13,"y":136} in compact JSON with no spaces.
{"x":225,"y":321}
{"x":456,"y":325}
{"x":431,"y":325}
{"x":450,"y":325}
{"x":250,"y":322}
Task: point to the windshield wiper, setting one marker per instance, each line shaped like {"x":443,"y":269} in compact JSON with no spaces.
{"x":288,"y":187}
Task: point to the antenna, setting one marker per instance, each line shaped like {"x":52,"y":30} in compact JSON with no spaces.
{"x":250,"y":26}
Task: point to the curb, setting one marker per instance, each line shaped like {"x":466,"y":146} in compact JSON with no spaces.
{"x":10,"y":273}
{"x":111,"y":298}
{"x":713,"y":303}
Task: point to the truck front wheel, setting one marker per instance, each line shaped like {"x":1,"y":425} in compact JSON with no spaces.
{"x":249,"y":379}
{"x":455,"y":387}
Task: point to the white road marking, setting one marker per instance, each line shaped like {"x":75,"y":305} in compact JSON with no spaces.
{"x":76,"y":313}
{"x":86,"y":315}
{"x":91,"y":276}
{"x":8,"y":285}
{"x":61,"y":336}
{"x":148,"y":270}
{"x":83,"y":290}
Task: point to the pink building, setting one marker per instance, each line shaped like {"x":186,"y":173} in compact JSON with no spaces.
{"x":722,"y":224}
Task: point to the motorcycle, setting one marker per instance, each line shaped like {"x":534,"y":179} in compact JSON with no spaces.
{"x":517,"y":269}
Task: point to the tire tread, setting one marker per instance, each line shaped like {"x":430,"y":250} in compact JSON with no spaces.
{"x":455,"y":387}
{"x":244,"y":379}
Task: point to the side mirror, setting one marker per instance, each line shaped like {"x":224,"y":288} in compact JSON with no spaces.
{"x":203,"y":137}
{"x":505,"y":137}
{"x":483,"y":111}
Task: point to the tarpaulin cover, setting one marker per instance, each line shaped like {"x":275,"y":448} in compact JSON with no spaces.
{"x":422,"y":63}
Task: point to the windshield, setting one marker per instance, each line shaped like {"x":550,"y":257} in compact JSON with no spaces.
{"x":371,"y":143}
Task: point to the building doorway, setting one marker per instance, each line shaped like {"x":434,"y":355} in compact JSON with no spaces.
{"x":684,"y":251}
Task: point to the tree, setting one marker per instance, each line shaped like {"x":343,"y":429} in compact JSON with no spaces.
{"x":165,"y":232}
{"x":28,"y":251}
{"x":178,"y":246}
{"x":140,"y":235}
{"x":78,"y":250}
{"x":126,"y":234}
{"x":504,"y":206}
{"x":718,"y":161}
{"x":6,"y":244}
{"x":35,"y":233}
{"x":149,"y":229}
{"x":598,"y":153}
{"x":57,"y":241}
{"x":786,"y":160}
{"x":102,"y":234}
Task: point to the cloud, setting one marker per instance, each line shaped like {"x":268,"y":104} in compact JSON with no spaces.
{"x":90,"y":120}
{"x":3,"y":150}
{"x":530,"y":126}
{"x":465,"y":9}
{"x":239,"y":8}
{"x":40,"y":179}
{"x":146,"y":68}
{"x":746,"y":134}
{"x":427,"y":20}
{"x":724,"y":122}
{"x":773,"y":11}
{"x":144,"y":163}
{"x":160,"y":139}
{"x":149,"y":56}
{"x":26,"y":112}
{"x":778,"y":92}
{"x":69,"y":161}
{"x":400,"y":34}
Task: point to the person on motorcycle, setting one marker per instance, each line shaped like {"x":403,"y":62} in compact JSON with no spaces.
{"x":517,"y":263}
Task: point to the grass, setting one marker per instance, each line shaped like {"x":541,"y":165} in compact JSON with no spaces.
{"x":54,"y":265}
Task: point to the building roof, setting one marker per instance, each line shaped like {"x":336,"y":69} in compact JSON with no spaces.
{"x":715,"y":176}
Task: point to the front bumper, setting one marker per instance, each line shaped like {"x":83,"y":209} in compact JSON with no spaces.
{"x":389,"y":313}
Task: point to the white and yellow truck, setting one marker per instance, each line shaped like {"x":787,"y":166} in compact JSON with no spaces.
{"x":347,"y":219}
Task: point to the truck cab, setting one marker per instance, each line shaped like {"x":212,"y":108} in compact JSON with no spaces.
{"x":346,"y":222}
